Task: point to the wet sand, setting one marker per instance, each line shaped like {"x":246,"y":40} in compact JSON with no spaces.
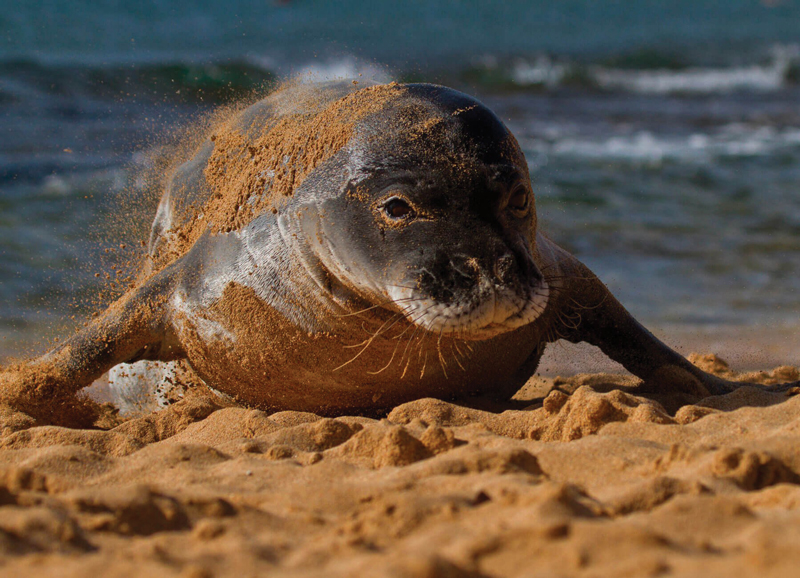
{"x":574,"y":478}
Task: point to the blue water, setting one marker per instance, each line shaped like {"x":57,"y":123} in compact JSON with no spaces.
{"x":663,"y":137}
{"x":416,"y":32}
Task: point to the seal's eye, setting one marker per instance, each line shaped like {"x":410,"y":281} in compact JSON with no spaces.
{"x":519,"y":200}
{"x":396,"y":208}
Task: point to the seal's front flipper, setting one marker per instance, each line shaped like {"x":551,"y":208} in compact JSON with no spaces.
{"x":591,"y":314}
{"x":135,"y":327}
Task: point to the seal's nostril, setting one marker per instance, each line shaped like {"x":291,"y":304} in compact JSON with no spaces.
{"x":504,"y":268}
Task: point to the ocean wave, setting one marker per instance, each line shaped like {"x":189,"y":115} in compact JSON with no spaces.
{"x":643,"y":73}
{"x":177,"y":81}
{"x":190,"y":81}
{"x":730,"y":141}
{"x":767,"y":78}
{"x":172,"y":81}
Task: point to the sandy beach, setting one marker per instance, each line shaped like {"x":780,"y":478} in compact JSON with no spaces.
{"x":573,"y":478}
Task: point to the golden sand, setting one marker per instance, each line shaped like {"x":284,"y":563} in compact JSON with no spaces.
{"x":576,"y":479}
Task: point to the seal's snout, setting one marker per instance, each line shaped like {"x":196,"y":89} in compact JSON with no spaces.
{"x":448,"y":281}
{"x":474,"y":297}
{"x":505,"y":268}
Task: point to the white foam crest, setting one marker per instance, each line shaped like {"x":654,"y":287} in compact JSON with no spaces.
{"x":695,"y":80}
{"x":342,"y":68}
{"x":734,"y":140}
{"x":763,"y":78}
{"x":543,"y":71}
{"x":110,"y":179}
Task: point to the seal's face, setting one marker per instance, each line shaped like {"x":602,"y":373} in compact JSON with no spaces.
{"x":440,"y":217}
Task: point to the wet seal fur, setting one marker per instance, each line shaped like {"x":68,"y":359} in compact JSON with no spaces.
{"x":337,"y":248}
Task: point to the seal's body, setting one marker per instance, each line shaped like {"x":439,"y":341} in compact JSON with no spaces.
{"x":342,"y":247}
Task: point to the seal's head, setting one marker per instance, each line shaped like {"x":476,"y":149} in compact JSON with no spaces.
{"x":436,"y":218}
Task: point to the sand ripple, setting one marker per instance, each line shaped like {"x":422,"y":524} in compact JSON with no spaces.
{"x":584,"y":480}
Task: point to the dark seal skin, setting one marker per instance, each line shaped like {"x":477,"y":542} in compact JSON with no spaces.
{"x":408,"y":264}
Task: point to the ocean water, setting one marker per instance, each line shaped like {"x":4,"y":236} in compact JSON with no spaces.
{"x":663,"y":138}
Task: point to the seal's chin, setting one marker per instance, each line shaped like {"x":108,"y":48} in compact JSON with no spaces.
{"x":485,"y":314}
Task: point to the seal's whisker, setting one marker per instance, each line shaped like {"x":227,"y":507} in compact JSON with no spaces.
{"x":422,"y":338}
{"x":424,"y":365}
{"x":545,"y":267}
{"x":442,"y":362}
{"x":465,"y":355}
{"x":568,"y":322}
{"x":404,"y":287}
{"x":408,"y":360}
{"x":368,"y":343}
{"x":455,"y":356}
{"x":583,"y":306}
{"x":400,"y":335}
{"x":355,"y":357}
{"x":371,"y":335}
{"x":411,"y":340}
{"x":381,"y":304}
{"x":397,"y":317}
{"x":408,"y":343}
{"x":554,"y":292}
{"x":427,"y":335}
{"x":459,"y":353}
{"x":454,"y":345}
{"x":385,"y":367}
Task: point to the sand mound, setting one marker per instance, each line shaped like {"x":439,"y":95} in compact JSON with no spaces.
{"x":586,"y":481}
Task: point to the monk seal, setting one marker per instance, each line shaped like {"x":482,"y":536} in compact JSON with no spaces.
{"x":339,"y":247}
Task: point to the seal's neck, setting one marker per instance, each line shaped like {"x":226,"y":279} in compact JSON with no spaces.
{"x":285,"y":269}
